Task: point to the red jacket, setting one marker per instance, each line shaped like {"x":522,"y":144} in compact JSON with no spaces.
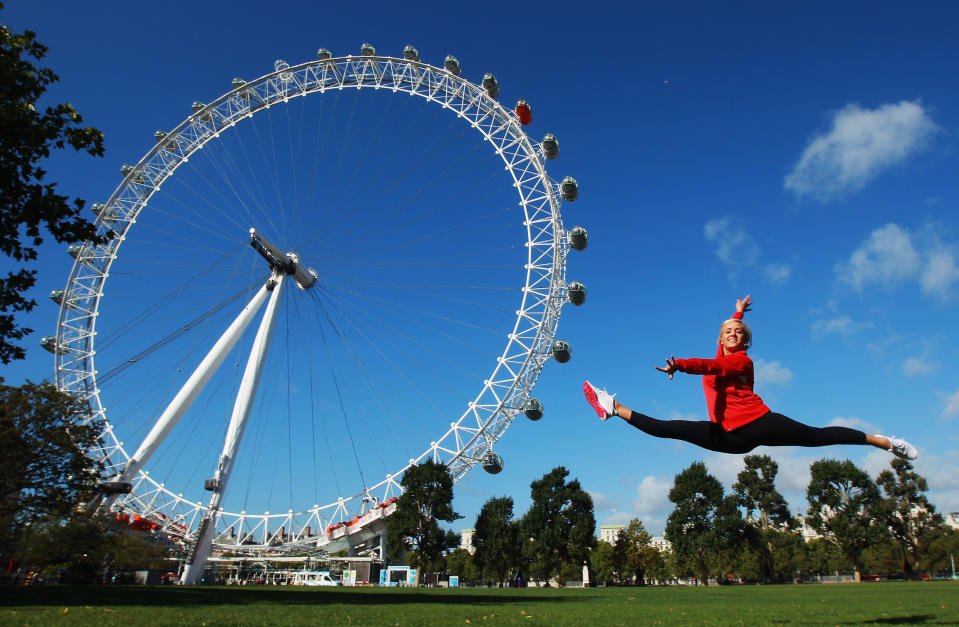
{"x":728,"y":385}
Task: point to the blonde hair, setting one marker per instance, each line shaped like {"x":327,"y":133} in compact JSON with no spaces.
{"x":747,"y":333}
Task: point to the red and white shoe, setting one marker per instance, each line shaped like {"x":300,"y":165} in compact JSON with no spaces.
{"x":600,"y":400}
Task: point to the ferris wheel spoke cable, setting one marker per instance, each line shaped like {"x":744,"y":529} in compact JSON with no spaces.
{"x":225,"y":164}
{"x":375,"y":391}
{"x":399,"y":371}
{"x":173,"y":335}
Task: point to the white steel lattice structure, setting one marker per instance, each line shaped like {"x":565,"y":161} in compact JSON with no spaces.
{"x":471,"y":432}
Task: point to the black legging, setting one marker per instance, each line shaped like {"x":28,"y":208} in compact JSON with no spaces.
{"x":770,"y":429}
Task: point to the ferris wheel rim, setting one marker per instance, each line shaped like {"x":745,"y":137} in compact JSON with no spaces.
{"x":460,"y":447}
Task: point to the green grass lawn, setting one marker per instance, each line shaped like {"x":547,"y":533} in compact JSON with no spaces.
{"x":904,"y":603}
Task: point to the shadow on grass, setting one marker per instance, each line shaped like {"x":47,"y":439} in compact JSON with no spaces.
{"x":237,"y":596}
{"x":902,"y":620}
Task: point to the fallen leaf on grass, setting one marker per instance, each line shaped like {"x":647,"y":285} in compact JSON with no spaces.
{"x":109,"y":611}
{"x":65,"y":610}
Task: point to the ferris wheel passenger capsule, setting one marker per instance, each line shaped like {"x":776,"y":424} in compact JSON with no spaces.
{"x":576,"y":293}
{"x":238,"y":82}
{"x":159,"y":136}
{"x":452,"y":65}
{"x":367,"y":50}
{"x":524,"y":112}
{"x":569,"y":189}
{"x":561,"y":351}
{"x":323,"y":54}
{"x":491,"y":85}
{"x":411,"y":54}
{"x":533,"y":408}
{"x":49,"y":343}
{"x":492,"y":463}
{"x":57,"y":296}
{"x":578,"y":238}
{"x":550,"y":146}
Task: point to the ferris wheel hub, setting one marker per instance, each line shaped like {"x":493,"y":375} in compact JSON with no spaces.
{"x":280,"y":261}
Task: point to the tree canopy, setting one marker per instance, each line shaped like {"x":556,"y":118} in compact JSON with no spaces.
{"x":911,"y":518}
{"x":44,"y":472}
{"x":29,"y":204}
{"x":843,"y":502}
{"x":559,"y":526}
{"x":705,"y":521}
{"x":414,"y":526}
{"x":496,"y":538}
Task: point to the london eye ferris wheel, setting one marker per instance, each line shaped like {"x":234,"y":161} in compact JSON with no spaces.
{"x":329,"y":273}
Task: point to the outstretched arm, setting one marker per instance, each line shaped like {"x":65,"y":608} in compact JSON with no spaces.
{"x":670,"y":368}
{"x":743,"y":305}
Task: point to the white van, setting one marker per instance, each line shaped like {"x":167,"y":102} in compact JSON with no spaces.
{"x":314,"y":578}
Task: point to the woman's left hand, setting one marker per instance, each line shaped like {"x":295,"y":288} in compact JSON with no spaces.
{"x":670,"y":368}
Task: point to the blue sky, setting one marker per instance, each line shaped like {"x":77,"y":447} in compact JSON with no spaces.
{"x":805,"y":154}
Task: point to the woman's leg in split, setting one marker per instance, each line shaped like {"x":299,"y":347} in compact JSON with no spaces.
{"x":702,"y":433}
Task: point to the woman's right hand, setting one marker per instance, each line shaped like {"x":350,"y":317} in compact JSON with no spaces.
{"x":670,"y":368}
{"x":742,"y":304}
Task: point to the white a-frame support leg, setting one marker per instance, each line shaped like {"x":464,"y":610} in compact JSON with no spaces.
{"x":188,"y":393}
{"x":241,"y":413}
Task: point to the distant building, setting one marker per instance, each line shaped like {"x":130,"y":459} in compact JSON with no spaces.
{"x":660,"y":543}
{"x":609,"y":533}
{"x":466,"y":540}
{"x":951,"y":519}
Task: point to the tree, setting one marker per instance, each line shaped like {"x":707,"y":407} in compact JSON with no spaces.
{"x":559,"y":526}
{"x":601,"y":559}
{"x":44,"y":473}
{"x":27,"y":202}
{"x":911,"y":518}
{"x":460,"y":563}
{"x":427,"y":498}
{"x":766,"y":510}
{"x":496,"y":538}
{"x":632,"y":552}
{"x":843,"y":503}
{"x":704,"y":522}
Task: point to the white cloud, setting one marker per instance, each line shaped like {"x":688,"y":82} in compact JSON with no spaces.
{"x":861,"y":144}
{"x":952,"y":405}
{"x":770,"y":372}
{"x":652,"y":504}
{"x":844,"y":325}
{"x":854,"y":423}
{"x":891,"y":255}
{"x":939,"y":273}
{"x":778,"y":273}
{"x":886,"y":257}
{"x":914,"y":367}
{"x":733,"y":244}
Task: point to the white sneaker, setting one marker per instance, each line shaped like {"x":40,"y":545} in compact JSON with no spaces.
{"x":599,"y":400}
{"x":903,"y":449}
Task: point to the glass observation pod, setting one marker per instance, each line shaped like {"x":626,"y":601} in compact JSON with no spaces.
{"x":524,"y":112}
{"x":561,"y":351}
{"x":550,"y":146}
{"x":452,"y":65}
{"x":576,"y":292}
{"x":411,"y":54}
{"x":492,"y":463}
{"x":491,"y":85}
{"x":533,"y":408}
{"x":569,"y":189}
{"x":578,"y":238}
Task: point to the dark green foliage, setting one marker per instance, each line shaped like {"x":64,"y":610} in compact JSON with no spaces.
{"x":44,"y":473}
{"x":496,"y":538}
{"x":632,"y":553}
{"x":27,"y":202}
{"x":766,"y":511}
{"x":843,"y":507}
{"x":559,"y":526}
{"x":601,"y":560}
{"x":459,"y":562}
{"x":705,"y":522}
{"x":911,"y":518}
{"x":427,"y":499}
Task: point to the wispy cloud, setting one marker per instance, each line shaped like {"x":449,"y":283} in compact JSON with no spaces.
{"x":841,"y":324}
{"x":772,"y":372}
{"x":952,"y":405}
{"x":861,"y":144}
{"x":854,"y":423}
{"x":914,"y":367}
{"x":891,"y":255}
{"x":734,"y":246}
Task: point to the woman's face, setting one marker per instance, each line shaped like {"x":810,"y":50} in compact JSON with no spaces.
{"x":732,"y":337}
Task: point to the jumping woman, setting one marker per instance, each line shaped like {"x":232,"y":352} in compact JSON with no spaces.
{"x":739,"y":421}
